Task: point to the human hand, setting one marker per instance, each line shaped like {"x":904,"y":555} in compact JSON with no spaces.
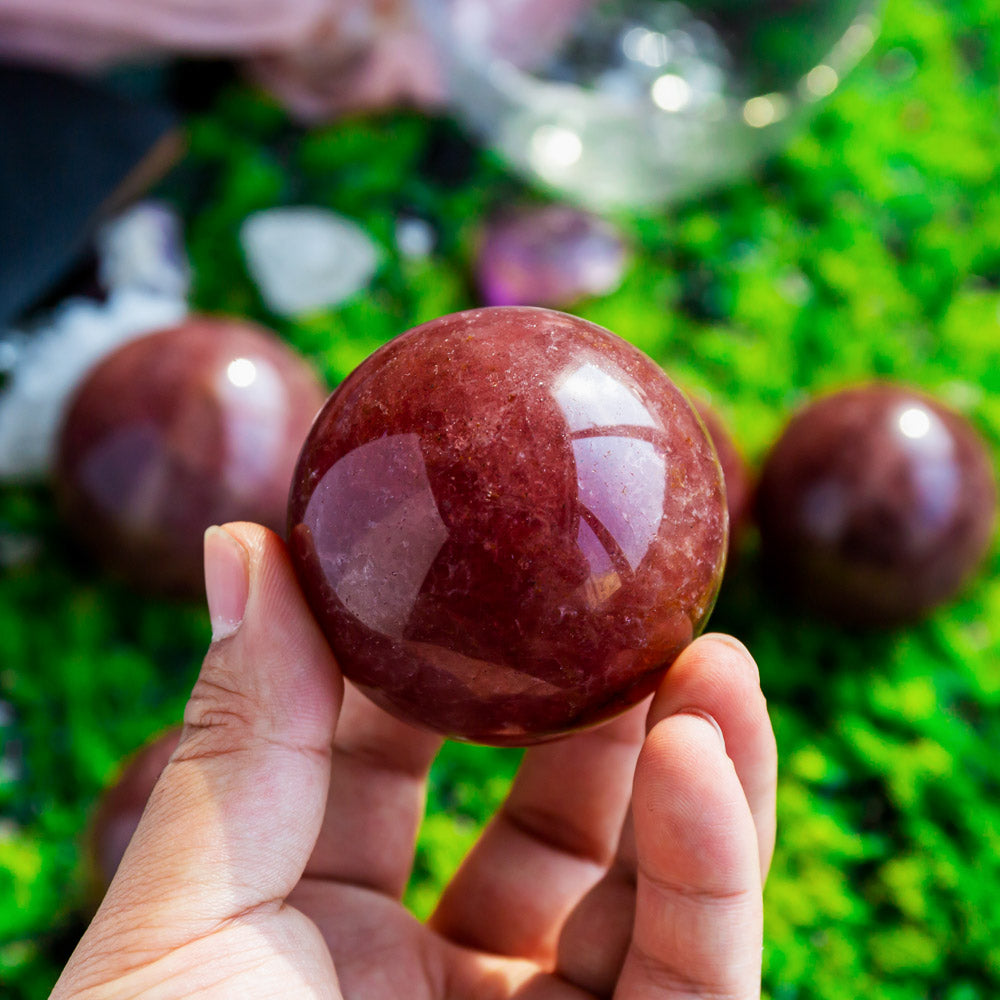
{"x":275,"y":847}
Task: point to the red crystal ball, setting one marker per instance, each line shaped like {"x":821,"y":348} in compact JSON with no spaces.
{"x":875,"y":505}
{"x":195,"y":425}
{"x":508,"y":522}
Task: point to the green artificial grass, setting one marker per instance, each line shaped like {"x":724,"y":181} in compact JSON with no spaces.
{"x":870,"y":248}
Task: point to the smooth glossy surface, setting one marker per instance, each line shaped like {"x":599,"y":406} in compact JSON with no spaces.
{"x":192,"y":426}
{"x":508,"y":523}
{"x":876,"y":504}
{"x":548,"y":255}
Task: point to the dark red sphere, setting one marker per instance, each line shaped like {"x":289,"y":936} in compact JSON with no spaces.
{"x":192,"y":426}
{"x":875,"y":505}
{"x":508,"y":523}
{"x":735,"y":471}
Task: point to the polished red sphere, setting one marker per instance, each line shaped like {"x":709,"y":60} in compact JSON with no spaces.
{"x":508,"y":523}
{"x":875,"y":505}
{"x":192,"y":426}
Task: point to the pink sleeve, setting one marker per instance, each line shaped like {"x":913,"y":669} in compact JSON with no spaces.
{"x":319,"y":57}
{"x":85,"y":33}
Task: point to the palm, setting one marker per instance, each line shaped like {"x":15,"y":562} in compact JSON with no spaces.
{"x":381,"y":952}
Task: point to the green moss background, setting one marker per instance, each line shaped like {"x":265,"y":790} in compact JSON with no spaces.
{"x":871,"y":247}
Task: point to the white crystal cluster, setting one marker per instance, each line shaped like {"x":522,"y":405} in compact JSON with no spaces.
{"x":144,"y":249}
{"x":305,"y":258}
{"x":144,"y":271}
{"x":302,"y":259}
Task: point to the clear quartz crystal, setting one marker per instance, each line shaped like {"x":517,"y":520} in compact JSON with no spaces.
{"x":144,"y":248}
{"x":143,"y":267}
{"x":47,"y":365}
{"x":305,"y":258}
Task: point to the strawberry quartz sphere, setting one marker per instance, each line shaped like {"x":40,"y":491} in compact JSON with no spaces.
{"x":195,"y":425}
{"x":875,"y":505}
{"x":508,"y":523}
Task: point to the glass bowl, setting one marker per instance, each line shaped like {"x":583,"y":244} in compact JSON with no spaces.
{"x":640,"y":102}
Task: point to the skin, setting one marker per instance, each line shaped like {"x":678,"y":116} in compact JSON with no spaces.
{"x":627,"y":861}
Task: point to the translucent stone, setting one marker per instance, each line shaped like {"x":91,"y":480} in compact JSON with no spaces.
{"x":306,"y":258}
{"x":46,"y":365}
{"x":548,"y":255}
{"x":143,"y":248}
{"x":876,"y":504}
{"x":508,"y":523}
{"x":188,"y":427}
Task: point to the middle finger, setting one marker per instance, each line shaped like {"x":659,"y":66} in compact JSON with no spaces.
{"x":378,"y":786}
{"x":549,"y":843}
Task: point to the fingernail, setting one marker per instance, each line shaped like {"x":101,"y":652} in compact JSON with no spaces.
{"x":730,"y":641}
{"x":737,"y":647}
{"x":702,"y":714}
{"x":227,"y":582}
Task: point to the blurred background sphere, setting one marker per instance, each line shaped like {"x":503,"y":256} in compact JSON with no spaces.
{"x":641,"y":102}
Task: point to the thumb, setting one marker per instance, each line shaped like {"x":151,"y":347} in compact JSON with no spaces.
{"x":234,"y":817}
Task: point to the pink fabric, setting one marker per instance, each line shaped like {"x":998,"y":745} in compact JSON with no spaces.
{"x":321,"y":57}
{"x":88,"y":32}
{"x":398,"y":69}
